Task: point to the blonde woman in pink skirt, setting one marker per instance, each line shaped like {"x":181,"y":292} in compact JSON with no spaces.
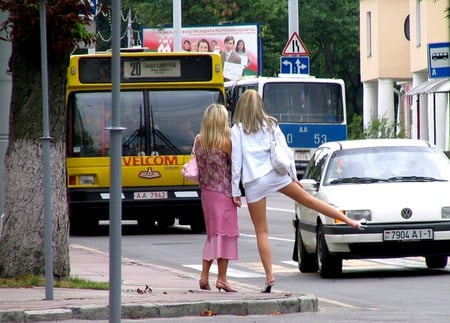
{"x":213,"y":153}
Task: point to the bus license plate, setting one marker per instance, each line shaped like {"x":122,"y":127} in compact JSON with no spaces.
{"x":302,"y":155}
{"x":150,"y":195}
{"x":411,"y":234}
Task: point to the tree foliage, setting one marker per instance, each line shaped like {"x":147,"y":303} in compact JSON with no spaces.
{"x":65,"y":20}
{"x":22,"y":237}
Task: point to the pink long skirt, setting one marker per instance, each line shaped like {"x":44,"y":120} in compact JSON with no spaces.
{"x":221,"y":222}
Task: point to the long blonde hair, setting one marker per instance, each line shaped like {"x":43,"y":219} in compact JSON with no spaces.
{"x":215,"y":128}
{"x":251,"y":114}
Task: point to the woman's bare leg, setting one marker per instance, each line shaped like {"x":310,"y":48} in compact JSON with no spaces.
{"x":257,"y":212}
{"x":222,"y":266}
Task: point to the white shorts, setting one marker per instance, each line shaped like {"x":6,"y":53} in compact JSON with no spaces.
{"x":266,"y":185}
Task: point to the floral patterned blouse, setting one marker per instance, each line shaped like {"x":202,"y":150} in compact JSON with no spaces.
{"x":214,"y":170}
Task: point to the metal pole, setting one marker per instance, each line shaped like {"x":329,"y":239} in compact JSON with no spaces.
{"x":115,"y":202}
{"x":293,"y":16}
{"x":48,"y":227}
{"x":176,"y":25}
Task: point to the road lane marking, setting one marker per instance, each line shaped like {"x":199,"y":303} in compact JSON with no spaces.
{"x":346,"y":305}
{"x":270,"y":238}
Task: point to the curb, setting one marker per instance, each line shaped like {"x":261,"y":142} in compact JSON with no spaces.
{"x":293,"y":304}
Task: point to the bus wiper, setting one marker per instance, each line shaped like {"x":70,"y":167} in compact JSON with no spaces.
{"x":357,"y":180}
{"x":415,"y":179}
{"x":128,"y":149}
{"x":166,"y":140}
{"x":134,"y":135}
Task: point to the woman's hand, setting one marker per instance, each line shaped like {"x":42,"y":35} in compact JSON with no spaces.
{"x":237,"y":201}
{"x":361,"y":225}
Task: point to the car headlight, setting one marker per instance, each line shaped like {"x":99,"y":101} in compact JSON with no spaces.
{"x":445,"y":215}
{"x":359,"y":214}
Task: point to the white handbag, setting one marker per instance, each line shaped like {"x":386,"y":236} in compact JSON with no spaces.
{"x":281,"y":156}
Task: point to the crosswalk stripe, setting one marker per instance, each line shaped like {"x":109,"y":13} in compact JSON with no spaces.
{"x":256,"y":270}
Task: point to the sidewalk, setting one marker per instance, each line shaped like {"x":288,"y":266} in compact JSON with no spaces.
{"x":173,"y":294}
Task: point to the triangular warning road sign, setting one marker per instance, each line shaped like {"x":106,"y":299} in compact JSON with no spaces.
{"x":295,"y":46}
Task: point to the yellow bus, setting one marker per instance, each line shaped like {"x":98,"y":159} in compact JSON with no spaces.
{"x":162,"y":99}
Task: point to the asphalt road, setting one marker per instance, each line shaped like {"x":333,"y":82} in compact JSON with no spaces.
{"x":374,"y":290}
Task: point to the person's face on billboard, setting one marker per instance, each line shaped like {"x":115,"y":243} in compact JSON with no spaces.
{"x":229,"y":45}
{"x":203,"y":47}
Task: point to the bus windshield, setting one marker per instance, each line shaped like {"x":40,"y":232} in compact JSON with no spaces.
{"x":304,"y":102}
{"x":157,"y":122}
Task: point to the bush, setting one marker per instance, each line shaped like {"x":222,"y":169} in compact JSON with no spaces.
{"x":377,"y":128}
{"x":382,"y":128}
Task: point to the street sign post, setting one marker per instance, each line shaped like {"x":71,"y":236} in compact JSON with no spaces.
{"x":439,"y":60}
{"x":294,"y":65}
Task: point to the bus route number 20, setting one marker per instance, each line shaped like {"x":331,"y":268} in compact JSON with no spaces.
{"x":134,"y":69}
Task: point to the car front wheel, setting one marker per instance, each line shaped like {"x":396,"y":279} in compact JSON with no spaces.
{"x":329,"y":266}
{"x":307,"y":263}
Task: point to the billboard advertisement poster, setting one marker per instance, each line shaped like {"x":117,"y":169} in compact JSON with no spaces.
{"x":238,"y":44}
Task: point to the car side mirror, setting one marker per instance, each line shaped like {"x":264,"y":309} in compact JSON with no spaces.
{"x":309,"y":184}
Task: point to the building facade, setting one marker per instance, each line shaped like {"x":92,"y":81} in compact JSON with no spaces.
{"x":405,"y":66}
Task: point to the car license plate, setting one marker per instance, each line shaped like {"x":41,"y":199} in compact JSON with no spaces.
{"x":411,"y":234}
{"x":150,"y":195}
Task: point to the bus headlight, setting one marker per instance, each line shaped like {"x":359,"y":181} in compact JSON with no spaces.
{"x":87,"y":180}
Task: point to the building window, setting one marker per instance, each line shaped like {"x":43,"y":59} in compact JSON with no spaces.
{"x":369,"y":33}
{"x":406,"y":28}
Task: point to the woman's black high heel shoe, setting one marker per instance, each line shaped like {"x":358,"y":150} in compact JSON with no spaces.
{"x":267,"y":288}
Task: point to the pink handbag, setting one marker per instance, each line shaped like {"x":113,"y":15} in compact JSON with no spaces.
{"x":190,"y":169}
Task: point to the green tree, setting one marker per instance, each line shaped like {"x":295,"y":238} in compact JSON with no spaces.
{"x":355,"y":127}
{"x":22,"y":237}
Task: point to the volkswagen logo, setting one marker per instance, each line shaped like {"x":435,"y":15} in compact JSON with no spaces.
{"x":406,"y":213}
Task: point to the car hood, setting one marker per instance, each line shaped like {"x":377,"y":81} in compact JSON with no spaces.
{"x":387,"y":200}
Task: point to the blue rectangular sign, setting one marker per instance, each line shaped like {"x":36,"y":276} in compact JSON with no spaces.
{"x":312,"y":135}
{"x":439,"y":60}
{"x":294,"y":65}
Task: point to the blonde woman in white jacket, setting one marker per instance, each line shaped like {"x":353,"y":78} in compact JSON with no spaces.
{"x":251,"y":165}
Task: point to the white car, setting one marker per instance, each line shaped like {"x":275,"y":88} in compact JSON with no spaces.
{"x":401,"y":187}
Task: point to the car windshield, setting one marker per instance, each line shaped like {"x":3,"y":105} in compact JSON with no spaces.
{"x":387,"y":164}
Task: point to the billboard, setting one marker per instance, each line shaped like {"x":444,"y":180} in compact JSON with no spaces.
{"x":239,"y":45}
